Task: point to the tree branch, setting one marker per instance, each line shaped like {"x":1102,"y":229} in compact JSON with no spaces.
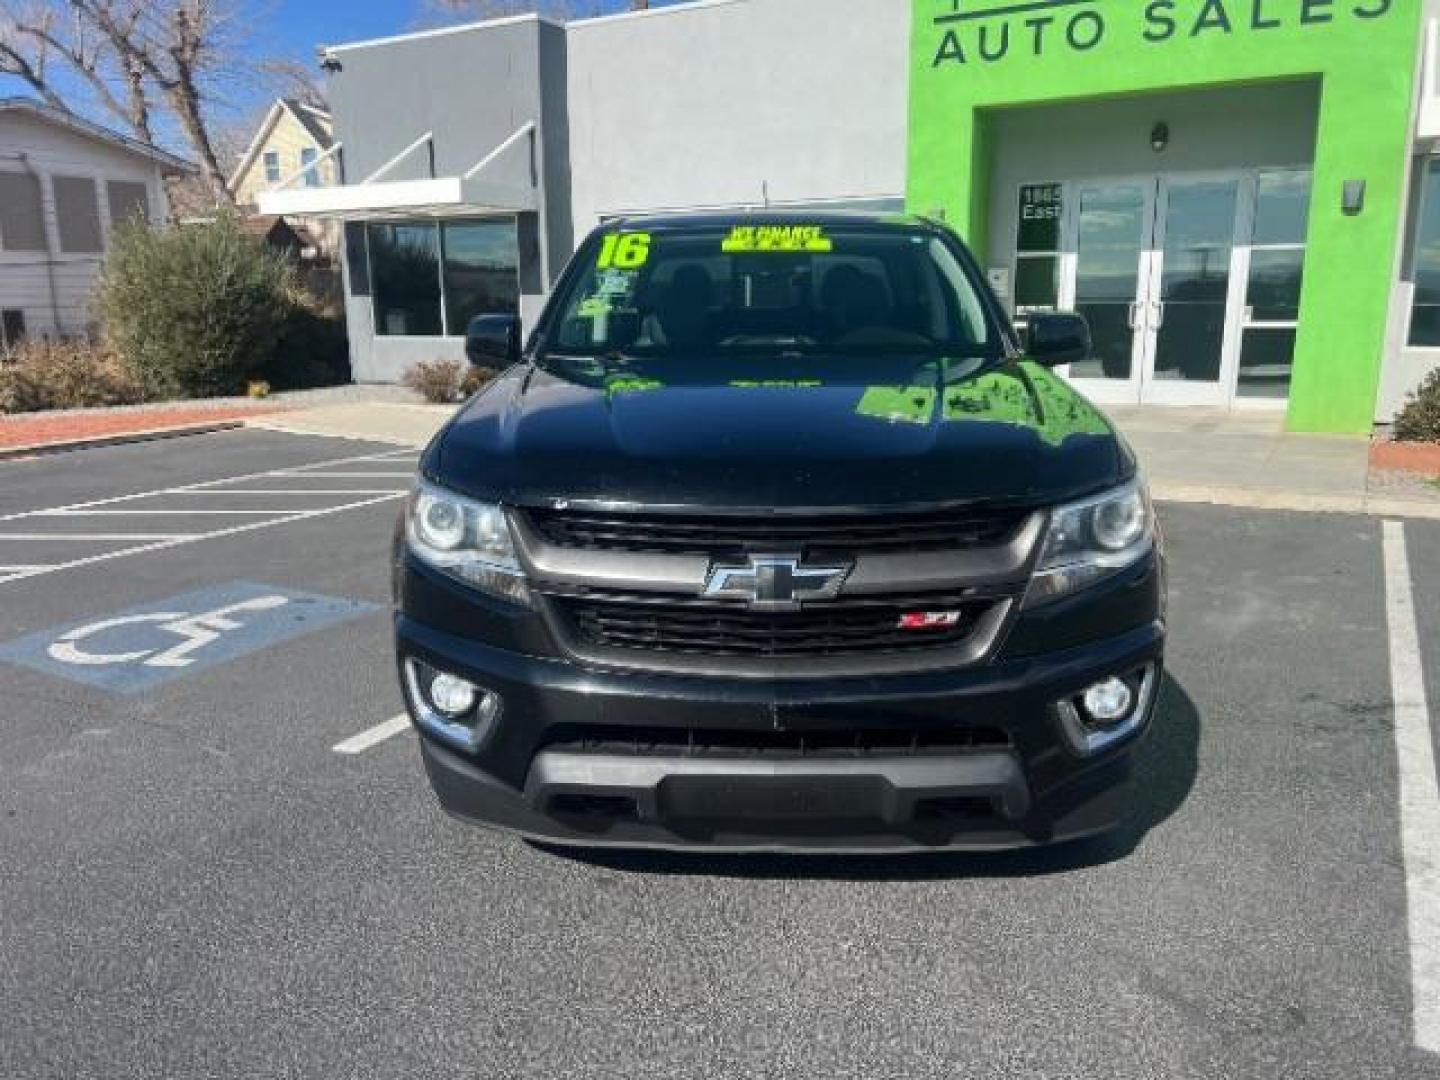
{"x":28,"y":65}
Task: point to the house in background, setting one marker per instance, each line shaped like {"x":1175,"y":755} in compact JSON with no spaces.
{"x":290,"y":147}
{"x":64,"y":183}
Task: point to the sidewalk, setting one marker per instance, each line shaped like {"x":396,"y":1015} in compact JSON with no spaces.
{"x":403,"y":423}
{"x":1248,"y":459}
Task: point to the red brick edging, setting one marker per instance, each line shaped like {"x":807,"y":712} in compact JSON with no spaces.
{"x":1422,"y":458}
{"x":48,"y":429}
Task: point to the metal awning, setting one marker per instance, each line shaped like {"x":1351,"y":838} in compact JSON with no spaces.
{"x":442,"y":197}
{"x":435,"y":196}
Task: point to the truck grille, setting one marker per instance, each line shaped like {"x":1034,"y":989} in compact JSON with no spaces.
{"x":706,"y":628}
{"x":721,"y":536}
{"x":780,"y":745}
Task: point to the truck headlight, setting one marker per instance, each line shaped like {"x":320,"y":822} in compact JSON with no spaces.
{"x":1090,"y":540}
{"x":466,"y":539}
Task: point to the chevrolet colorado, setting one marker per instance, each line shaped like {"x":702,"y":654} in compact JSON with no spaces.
{"x":776,"y":535}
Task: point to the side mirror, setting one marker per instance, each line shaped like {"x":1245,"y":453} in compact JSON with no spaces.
{"x":1058,"y":338}
{"x":493,"y":340}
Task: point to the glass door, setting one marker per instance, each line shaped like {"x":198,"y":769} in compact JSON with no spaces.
{"x":1195,"y":292}
{"x":1275,"y":274}
{"x":1111,"y":232}
{"x":1190,"y":283}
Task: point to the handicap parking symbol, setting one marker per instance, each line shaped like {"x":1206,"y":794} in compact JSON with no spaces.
{"x":144,"y":647}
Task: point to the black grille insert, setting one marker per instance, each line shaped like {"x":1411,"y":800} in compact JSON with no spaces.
{"x":831,"y":628}
{"x":721,"y":536}
{"x":768,"y":744}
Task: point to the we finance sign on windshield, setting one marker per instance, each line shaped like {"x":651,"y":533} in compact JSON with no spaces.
{"x":991,"y":32}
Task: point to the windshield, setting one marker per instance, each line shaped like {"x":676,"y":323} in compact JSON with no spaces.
{"x":790,"y":289}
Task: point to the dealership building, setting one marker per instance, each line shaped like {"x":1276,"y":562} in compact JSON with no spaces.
{"x":1242,"y":196}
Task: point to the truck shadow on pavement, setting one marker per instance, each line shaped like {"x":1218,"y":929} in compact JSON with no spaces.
{"x":1165,"y":771}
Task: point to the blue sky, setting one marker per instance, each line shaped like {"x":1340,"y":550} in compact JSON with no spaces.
{"x":292,"y":29}
{"x":299,"y":25}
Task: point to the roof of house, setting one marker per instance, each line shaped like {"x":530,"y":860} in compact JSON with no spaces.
{"x":52,"y":114}
{"x":315,"y":121}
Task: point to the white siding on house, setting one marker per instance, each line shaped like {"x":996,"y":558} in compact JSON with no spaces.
{"x":54,"y":288}
{"x":288,"y":140}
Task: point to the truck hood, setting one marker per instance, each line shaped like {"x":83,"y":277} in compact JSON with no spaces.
{"x":826,"y":436}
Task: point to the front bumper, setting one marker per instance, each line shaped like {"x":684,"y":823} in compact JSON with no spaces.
{"x":532,"y":775}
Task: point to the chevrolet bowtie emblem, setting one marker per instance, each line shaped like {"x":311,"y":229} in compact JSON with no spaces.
{"x":776,"y":582}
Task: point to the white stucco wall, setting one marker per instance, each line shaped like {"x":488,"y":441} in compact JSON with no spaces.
{"x":1404,"y":368}
{"x":54,"y":289}
{"x":710,"y":104}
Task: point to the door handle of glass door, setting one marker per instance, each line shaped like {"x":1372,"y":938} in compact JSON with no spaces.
{"x":1134,"y":316}
{"x":1159,"y":306}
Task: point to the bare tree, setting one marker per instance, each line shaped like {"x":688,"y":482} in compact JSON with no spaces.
{"x":177,"y":48}
{"x":26,"y":57}
{"x":134,"y":57}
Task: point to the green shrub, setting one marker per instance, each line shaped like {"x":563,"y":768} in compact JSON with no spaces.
{"x":311,"y":349}
{"x":444,"y":382}
{"x":437,"y":381}
{"x":194,"y":310}
{"x":1419,"y":420}
{"x":65,"y":375}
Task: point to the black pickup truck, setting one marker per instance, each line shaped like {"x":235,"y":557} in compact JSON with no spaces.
{"x":776,"y":536}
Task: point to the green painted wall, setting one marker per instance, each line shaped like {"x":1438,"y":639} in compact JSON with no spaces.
{"x":1033,"y":52}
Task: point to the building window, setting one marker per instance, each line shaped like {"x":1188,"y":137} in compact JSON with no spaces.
{"x":1425,"y":312}
{"x":12,"y":328}
{"x":22,"y":220}
{"x":307,"y":159}
{"x":1037,"y":248}
{"x":272,"y":166}
{"x":128,"y":199}
{"x":405,"y":273}
{"x":429,"y":279}
{"x":482,"y":262}
{"x":77,"y":212}
{"x":1277,"y":272}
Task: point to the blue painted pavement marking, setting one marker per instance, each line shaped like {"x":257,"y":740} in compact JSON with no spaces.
{"x":143,"y":647}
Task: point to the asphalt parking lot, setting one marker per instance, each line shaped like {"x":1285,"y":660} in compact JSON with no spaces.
{"x":195,"y":882}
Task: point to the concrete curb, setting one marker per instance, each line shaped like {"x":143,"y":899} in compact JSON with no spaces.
{"x":119,"y":438}
{"x":1373,"y":506}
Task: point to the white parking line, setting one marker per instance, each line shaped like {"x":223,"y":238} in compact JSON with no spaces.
{"x":298,"y":491}
{"x":343,"y":475}
{"x":1419,"y":790}
{"x":191,"y":538}
{"x":98,"y":537}
{"x":140,"y":542}
{"x":358,"y":744}
{"x":168,"y":512}
{"x":383,"y":456}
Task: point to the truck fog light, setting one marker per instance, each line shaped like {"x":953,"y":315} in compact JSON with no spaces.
{"x":453,"y":696}
{"x":450,"y":708}
{"x":1109,"y":712}
{"x":1108,"y":701}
